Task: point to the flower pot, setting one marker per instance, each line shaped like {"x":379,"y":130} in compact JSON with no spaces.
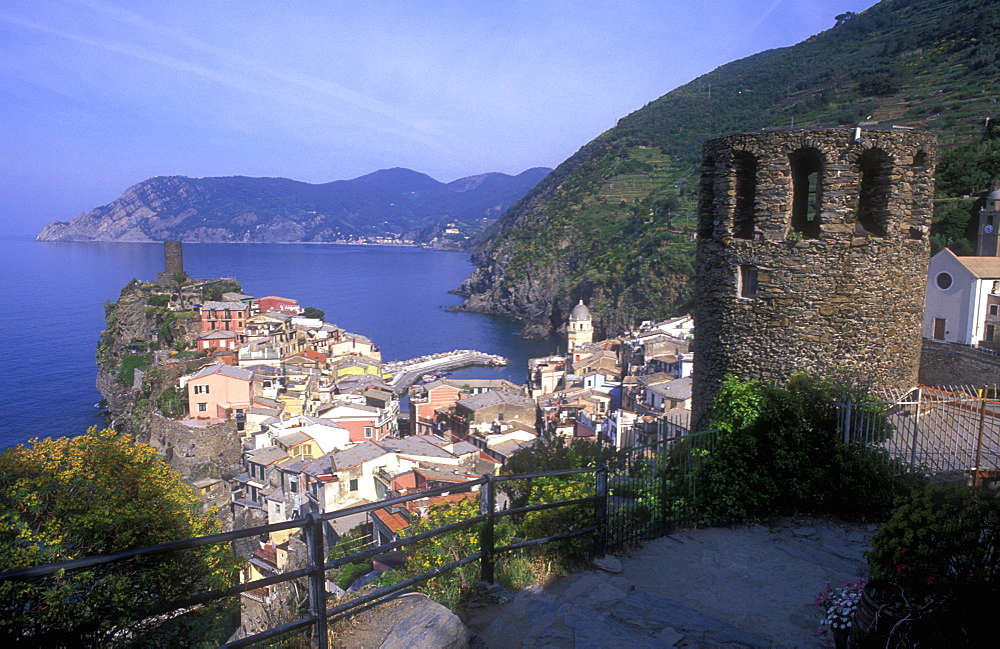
{"x":878,"y":611}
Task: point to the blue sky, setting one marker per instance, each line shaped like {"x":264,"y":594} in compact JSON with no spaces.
{"x":98,"y":95}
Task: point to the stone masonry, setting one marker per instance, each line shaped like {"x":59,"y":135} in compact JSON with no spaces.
{"x":812,"y":255}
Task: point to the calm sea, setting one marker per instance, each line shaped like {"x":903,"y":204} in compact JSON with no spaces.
{"x":54,"y":294}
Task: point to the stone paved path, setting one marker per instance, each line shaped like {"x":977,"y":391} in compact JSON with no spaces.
{"x":715,"y":587}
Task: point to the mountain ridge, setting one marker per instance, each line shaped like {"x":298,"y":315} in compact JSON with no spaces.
{"x":389,"y":203}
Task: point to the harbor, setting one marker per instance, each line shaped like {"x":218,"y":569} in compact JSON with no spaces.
{"x":406,"y":373}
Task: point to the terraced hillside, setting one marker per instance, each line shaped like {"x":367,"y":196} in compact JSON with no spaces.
{"x":614,"y":224}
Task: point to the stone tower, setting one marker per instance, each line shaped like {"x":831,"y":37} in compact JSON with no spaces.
{"x":988,"y":239}
{"x":812,"y":255}
{"x":173,"y":257}
{"x":580,"y":328}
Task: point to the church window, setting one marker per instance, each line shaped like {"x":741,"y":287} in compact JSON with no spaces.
{"x":943,"y":281}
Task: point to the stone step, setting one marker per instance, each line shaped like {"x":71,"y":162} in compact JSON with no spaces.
{"x":595,"y":610}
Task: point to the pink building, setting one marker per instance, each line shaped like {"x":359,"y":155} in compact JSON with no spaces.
{"x":219,"y":392}
{"x":217,"y":339}
{"x":224,"y":316}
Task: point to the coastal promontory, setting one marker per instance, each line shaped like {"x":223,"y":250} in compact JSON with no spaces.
{"x":387,"y":206}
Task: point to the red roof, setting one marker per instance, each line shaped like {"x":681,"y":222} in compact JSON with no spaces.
{"x":267,"y":554}
{"x":394,"y":522}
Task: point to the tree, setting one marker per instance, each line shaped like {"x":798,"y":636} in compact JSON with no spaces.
{"x":214,"y":292}
{"x":180,"y":279}
{"x":98,"y":493}
{"x":313,"y":312}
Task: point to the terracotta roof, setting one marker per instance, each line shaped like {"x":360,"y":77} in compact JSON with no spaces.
{"x":982,"y":267}
{"x":394,"y":522}
{"x":267,"y":554}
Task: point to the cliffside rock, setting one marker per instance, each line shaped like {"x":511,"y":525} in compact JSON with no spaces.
{"x":134,"y":328}
{"x":403,"y":623}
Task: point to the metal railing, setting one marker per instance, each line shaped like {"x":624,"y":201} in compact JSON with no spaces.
{"x":312,"y":527}
{"x":652,"y":489}
{"x":945,"y":431}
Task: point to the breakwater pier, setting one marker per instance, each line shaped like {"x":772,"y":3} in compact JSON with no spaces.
{"x":406,"y":373}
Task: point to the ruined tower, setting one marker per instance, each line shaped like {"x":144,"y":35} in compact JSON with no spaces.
{"x":812,"y":255}
{"x":173,"y":257}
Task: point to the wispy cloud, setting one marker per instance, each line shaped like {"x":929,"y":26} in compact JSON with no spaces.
{"x":279,"y":85}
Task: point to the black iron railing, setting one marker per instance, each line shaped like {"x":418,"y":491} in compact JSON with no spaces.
{"x":635,"y":497}
{"x":312,"y":528}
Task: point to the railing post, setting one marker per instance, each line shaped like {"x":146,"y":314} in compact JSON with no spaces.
{"x":979,"y":439}
{"x":487,"y":507}
{"x":601,"y":511}
{"x":317,"y":579}
{"x":847,"y":418}
{"x":916,"y":432}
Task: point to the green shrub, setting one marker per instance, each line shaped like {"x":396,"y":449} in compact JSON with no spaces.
{"x":778,"y":453}
{"x":214,"y":292}
{"x":158,"y":300}
{"x":561,"y":520}
{"x":172,"y":402}
{"x":130,"y":363}
{"x":941,"y":548}
{"x":349,"y":572}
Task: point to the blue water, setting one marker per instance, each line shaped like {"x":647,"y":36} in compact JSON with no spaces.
{"x":54,"y":295}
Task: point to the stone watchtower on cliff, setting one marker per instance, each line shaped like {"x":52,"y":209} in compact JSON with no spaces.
{"x":173,"y":262}
{"x":812,"y":255}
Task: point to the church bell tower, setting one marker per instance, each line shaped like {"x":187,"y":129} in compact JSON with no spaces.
{"x":580,"y":328}
{"x":987,"y":239}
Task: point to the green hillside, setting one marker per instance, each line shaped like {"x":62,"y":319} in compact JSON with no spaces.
{"x":614,"y":223}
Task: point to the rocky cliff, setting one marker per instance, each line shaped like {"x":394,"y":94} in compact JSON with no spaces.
{"x":397,"y":203}
{"x":138,"y":383}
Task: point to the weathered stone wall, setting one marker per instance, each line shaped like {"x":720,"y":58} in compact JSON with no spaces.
{"x":945,"y":364}
{"x":173,"y":257}
{"x":789,"y":279}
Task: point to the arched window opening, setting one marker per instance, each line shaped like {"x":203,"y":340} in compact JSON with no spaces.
{"x":745,"y":176}
{"x":706,"y":200}
{"x":807,"y":196}
{"x":920,"y":159}
{"x":875,"y":169}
